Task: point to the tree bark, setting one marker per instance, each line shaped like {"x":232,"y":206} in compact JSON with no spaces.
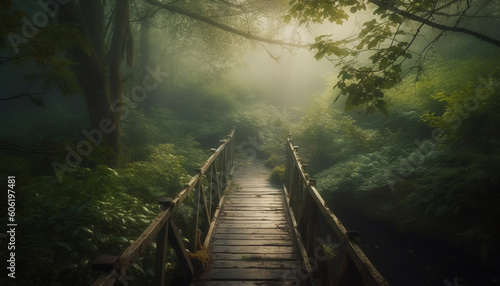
{"x":93,"y":15}
{"x":145,"y":45}
{"x":222,"y":26}
{"x":91,"y":76}
{"x":121,"y":45}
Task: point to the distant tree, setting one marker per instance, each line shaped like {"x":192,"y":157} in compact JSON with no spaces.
{"x":88,"y":42}
{"x":98,"y":72}
{"x":372,"y":60}
{"x":39,"y":41}
{"x":76,"y":53}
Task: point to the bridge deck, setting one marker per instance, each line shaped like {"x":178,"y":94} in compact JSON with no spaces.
{"x":252,"y":242}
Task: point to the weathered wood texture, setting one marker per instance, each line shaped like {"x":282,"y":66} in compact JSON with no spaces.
{"x":334,"y":256}
{"x":207,"y":187}
{"x":252,"y":242}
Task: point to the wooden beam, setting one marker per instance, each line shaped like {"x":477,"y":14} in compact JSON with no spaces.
{"x":161,"y":255}
{"x":193,"y":232}
{"x":205,"y":205}
{"x":298,"y":241}
{"x":158,"y":228}
{"x":136,"y":249}
{"x":180,"y":250}
{"x":369,"y":273}
{"x":214,"y":220}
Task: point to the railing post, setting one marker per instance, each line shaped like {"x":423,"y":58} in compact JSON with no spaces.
{"x":179,"y":249}
{"x":161,"y":255}
{"x":316,"y":222}
{"x":209,"y":189}
{"x":163,"y":229}
{"x":196,"y":207}
{"x":161,"y":246}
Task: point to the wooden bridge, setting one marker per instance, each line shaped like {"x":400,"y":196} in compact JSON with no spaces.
{"x":256,"y":233}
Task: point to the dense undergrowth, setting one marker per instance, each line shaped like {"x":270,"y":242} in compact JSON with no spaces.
{"x":431,"y":166}
{"x":63,"y":225}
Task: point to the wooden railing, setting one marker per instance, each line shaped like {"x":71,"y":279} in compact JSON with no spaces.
{"x":332,"y":254}
{"x":207,"y":187}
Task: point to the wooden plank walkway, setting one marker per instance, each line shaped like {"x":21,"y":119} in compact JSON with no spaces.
{"x":252,"y":242}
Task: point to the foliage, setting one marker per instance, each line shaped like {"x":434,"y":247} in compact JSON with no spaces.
{"x":273,"y":161}
{"x":67,"y":225}
{"x":277,"y":175}
{"x":194,"y":112}
{"x":331,"y":136}
{"x":372,"y":60}
{"x":138,"y":134}
{"x":162,"y":174}
{"x":466,"y":108}
{"x":43,"y":128}
{"x":262,"y":129}
{"x":449,"y":192}
{"x":92,"y":212}
{"x":48,"y":71}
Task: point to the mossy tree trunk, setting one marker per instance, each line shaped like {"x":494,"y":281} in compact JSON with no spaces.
{"x":99,"y":75}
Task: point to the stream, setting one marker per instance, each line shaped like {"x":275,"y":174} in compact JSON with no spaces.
{"x":407,"y":260}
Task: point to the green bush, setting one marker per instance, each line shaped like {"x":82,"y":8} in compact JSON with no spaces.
{"x":273,"y":161}
{"x":277,"y":175}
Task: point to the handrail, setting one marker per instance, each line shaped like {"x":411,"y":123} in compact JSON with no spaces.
{"x":207,"y":186}
{"x":328,"y":244}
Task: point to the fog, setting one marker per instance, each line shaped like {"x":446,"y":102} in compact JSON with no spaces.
{"x":396,"y":118}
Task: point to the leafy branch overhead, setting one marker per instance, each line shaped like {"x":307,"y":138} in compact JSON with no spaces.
{"x":372,"y":61}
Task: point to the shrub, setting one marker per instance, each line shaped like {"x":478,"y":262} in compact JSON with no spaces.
{"x":277,"y":175}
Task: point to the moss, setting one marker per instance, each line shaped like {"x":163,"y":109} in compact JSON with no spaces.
{"x":273,"y":161}
{"x":200,"y":260}
{"x":278,"y":174}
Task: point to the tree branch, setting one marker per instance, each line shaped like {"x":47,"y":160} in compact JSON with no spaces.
{"x":427,"y":22}
{"x":17,"y":148}
{"x":32,"y":95}
{"x":222,"y":26}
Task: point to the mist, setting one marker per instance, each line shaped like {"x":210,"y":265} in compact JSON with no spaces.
{"x":107,"y":107}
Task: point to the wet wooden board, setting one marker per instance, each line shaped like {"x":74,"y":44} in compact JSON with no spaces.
{"x":247,"y":283}
{"x":279,"y":264}
{"x":266,"y":274}
{"x":255,"y":257}
{"x":252,"y":243}
{"x":253,"y":237}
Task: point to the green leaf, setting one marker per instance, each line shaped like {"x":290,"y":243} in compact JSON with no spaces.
{"x":121,"y":239}
{"x":86,"y":229}
{"x":381,"y":106}
{"x":64,"y":245}
{"x":138,"y":267}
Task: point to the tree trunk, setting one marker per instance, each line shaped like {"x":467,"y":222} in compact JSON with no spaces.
{"x":145,"y":46}
{"x":93,"y":15}
{"x":91,"y":76}
{"x":121,"y":45}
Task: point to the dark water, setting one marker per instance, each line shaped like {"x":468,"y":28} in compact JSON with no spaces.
{"x":407,"y":260}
